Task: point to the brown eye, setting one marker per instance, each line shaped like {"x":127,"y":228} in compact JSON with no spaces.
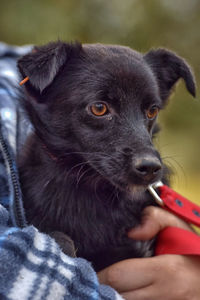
{"x":99,"y":109}
{"x":152,"y":112}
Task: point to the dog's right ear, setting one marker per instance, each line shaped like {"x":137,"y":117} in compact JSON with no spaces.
{"x":43,"y":63}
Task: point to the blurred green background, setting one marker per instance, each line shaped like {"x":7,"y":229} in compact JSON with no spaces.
{"x":140,"y":24}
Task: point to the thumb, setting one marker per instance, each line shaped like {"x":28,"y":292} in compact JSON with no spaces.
{"x":154,"y":220}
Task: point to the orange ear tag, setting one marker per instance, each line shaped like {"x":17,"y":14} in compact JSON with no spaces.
{"x":24,"y":80}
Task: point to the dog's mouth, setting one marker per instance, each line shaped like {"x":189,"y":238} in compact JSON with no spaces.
{"x":135,"y":188}
{"x":130,"y":187}
{"x":133,"y":180}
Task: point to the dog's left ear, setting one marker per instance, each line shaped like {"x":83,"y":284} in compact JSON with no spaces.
{"x":168,"y":69}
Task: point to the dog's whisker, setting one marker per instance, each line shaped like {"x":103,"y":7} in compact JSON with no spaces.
{"x":176,"y":167}
{"x":79,"y":172}
{"x":75,"y":166}
{"x":81,"y":176}
{"x":172,"y":158}
{"x":101,"y":154}
{"x":87,"y":163}
{"x":96,"y":181}
{"x":112,"y":195}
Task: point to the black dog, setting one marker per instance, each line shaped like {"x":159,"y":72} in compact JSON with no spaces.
{"x":85,"y":169}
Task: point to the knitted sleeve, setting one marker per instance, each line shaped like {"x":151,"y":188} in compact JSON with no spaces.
{"x":32,"y":266}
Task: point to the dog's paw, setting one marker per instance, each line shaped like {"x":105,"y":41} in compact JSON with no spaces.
{"x":65,"y":242}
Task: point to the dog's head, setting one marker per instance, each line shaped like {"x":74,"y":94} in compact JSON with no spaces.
{"x":101,"y":102}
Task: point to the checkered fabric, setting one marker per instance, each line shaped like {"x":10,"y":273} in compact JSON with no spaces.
{"x":32,"y":266}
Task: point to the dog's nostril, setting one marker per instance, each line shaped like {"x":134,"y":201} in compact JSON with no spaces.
{"x":148,"y":167}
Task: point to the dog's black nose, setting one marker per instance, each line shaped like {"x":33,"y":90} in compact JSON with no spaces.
{"x":148,"y":168}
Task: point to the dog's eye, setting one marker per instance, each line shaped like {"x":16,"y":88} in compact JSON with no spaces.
{"x":152,"y":112}
{"x":99,"y":109}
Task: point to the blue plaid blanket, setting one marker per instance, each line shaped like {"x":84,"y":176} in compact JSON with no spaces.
{"x":32,"y":266}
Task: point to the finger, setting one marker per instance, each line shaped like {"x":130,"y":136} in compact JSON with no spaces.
{"x":176,"y":278}
{"x":141,"y":294}
{"x":147,"y":293}
{"x":154,"y":220}
{"x":129,"y":274}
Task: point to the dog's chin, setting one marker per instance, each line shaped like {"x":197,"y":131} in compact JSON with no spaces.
{"x":136,"y":191}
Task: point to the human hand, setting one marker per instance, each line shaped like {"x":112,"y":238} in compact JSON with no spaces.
{"x":154,"y":220}
{"x":168,"y":277}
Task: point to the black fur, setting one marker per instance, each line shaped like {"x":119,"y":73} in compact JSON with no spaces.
{"x":83,"y":175}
